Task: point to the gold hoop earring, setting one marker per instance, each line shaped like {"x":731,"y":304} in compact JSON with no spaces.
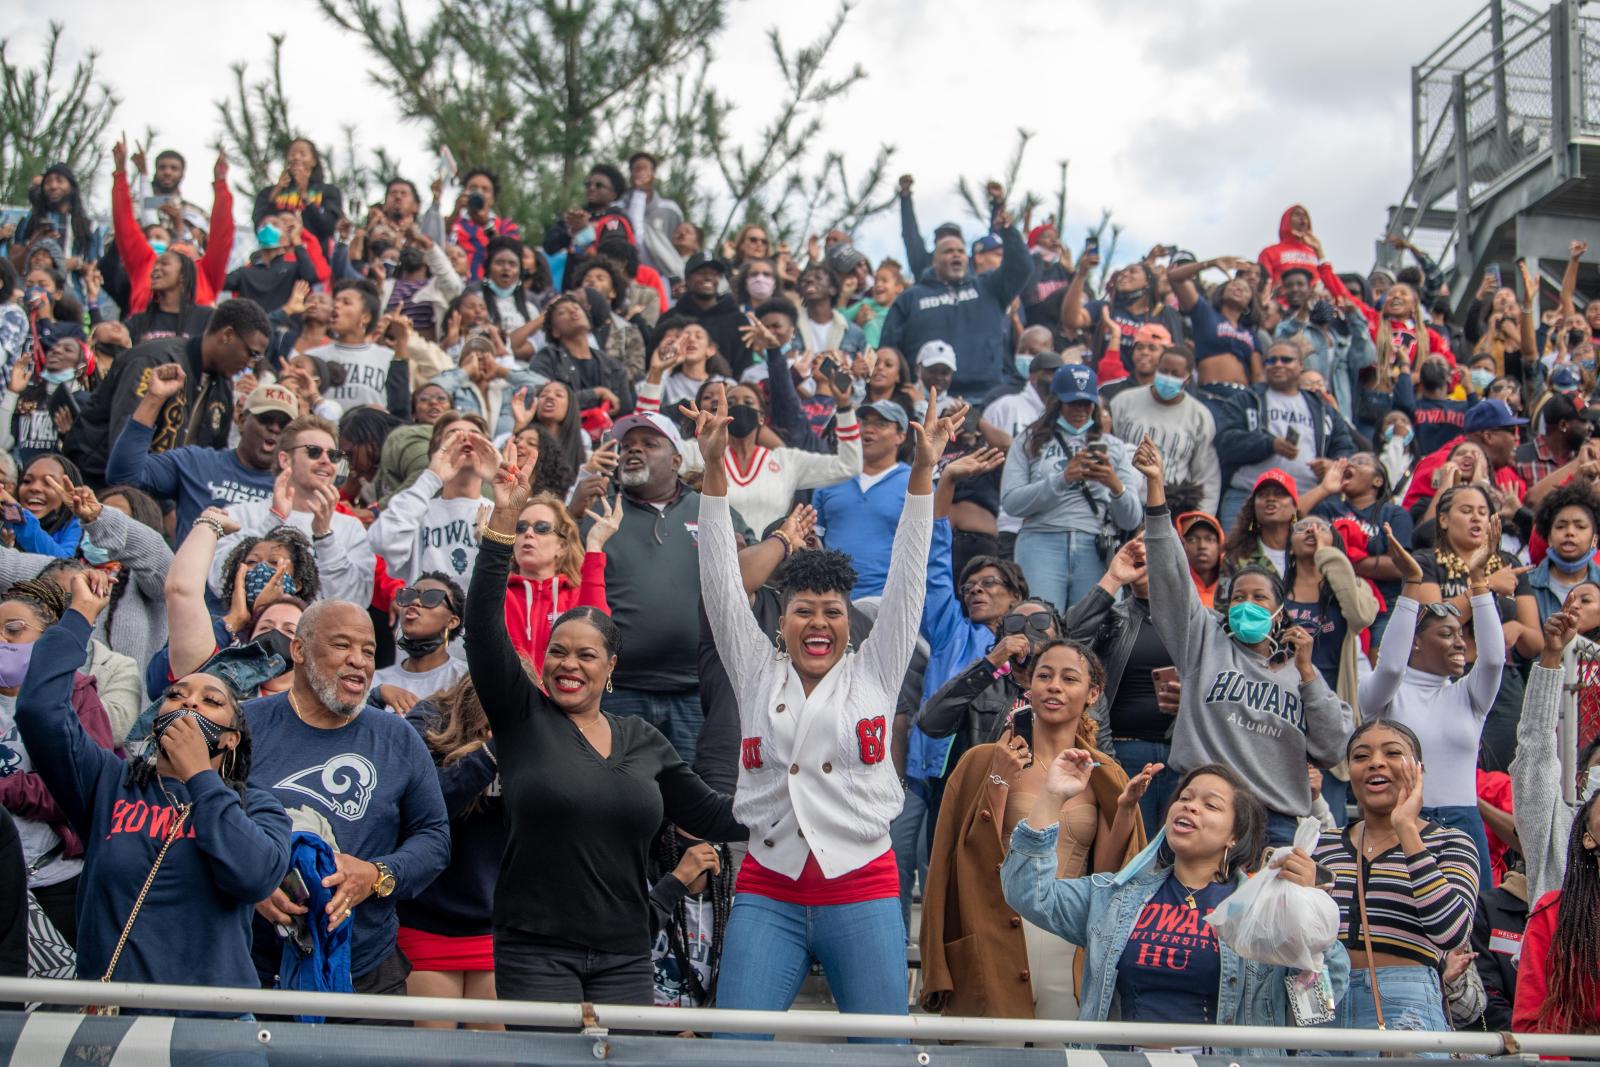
{"x":608,"y":683}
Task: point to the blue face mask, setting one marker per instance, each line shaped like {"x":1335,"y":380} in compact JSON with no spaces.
{"x":1071,"y":430}
{"x":501,"y":291}
{"x":1576,"y":567}
{"x":59,"y":377}
{"x":1167,"y":386}
{"x":257,"y":577}
{"x":1388,"y":435}
{"x":93,"y":554}
{"x":268,"y":236}
{"x":1022,"y":363}
{"x":158,"y":247}
{"x":1481,"y":379}
{"x":1250,"y":622}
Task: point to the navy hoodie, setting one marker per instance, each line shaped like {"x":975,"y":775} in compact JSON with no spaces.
{"x":194,"y":927}
{"x":971,"y":315}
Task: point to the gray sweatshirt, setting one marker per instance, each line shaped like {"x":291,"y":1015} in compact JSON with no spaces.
{"x":1234,"y":709}
{"x":1544,"y":818}
{"x":1032,"y":488}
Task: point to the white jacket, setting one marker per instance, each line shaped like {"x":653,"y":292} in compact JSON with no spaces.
{"x":344,"y":558}
{"x":815,"y":777}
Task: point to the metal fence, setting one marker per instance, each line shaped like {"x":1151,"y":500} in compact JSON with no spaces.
{"x":1589,"y":75}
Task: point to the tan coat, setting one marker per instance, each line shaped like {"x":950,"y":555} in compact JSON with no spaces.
{"x":974,"y":958}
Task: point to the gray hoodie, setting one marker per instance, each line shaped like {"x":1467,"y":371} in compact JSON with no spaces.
{"x":1235,"y":709}
{"x":1543,"y":816}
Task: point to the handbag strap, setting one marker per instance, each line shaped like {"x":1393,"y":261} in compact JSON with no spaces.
{"x":127,"y":927}
{"x":1366,"y":932}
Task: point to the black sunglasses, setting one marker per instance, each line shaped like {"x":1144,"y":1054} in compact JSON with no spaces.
{"x":315,"y":452}
{"x":539,"y":526}
{"x":1279,"y":360}
{"x":1036,"y":622}
{"x":428,"y":598}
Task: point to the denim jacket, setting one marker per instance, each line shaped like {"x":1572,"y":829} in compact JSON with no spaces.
{"x":1539,"y":578}
{"x":1098,"y":912}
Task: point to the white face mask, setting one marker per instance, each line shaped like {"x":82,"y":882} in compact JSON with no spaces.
{"x":1591,"y":784}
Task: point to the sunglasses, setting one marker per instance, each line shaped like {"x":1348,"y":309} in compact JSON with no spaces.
{"x":1279,"y":360}
{"x":987,"y":582}
{"x":428,"y":598}
{"x":315,"y":452}
{"x":1037,"y":622}
{"x":540,"y":527}
{"x":1442,"y":610}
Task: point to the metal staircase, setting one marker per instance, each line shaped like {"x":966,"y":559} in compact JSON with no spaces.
{"x":1505,"y":146}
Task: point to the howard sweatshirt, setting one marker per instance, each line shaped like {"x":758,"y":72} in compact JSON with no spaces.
{"x":420,"y":531}
{"x":1236,"y":709}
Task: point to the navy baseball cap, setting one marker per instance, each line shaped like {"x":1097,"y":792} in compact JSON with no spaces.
{"x":1074,"y":382}
{"x":1491,"y":415}
{"x":1566,"y":379}
{"x":987,"y":243}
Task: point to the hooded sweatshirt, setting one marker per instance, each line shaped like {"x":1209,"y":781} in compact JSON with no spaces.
{"x":420,"y":531}
{"x":532,"y":607}
{"x":138,"y":257}
{"x":1236,"y":709}
{"x":1290,"y":252}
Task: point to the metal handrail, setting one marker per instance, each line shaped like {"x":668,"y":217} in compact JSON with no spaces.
{"x":920,"y":1029}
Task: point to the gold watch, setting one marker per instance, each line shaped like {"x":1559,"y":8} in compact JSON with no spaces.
{"x":385,"y":883}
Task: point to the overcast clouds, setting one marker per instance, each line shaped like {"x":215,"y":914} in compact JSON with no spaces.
{"x":1195,"y":122}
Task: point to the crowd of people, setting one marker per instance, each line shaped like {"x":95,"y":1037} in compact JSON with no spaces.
{"x":397,"y":602}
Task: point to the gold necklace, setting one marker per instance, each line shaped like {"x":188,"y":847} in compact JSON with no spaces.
{"x":598,"y":717}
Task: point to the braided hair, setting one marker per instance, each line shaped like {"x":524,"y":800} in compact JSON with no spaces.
{"x":666,"y":850}
{"x":46,"y":598}
{"x":1574,"y":959}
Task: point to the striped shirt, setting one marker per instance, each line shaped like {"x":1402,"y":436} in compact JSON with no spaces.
{"x":1420,"y":907}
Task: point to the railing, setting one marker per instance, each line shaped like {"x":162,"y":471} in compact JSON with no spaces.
{"x":595,"y":1019}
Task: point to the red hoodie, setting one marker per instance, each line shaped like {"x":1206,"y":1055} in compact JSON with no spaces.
{"x":138,"y":257}
{"x":1289,"y":252}
{"x":529,"y":611}
{"x":1533,"y":966}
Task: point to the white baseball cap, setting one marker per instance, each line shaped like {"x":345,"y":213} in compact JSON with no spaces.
{"x":935,"y":353}
{"x":649,"y":420}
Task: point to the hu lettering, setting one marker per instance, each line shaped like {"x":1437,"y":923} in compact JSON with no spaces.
{"x":1163,"y":958}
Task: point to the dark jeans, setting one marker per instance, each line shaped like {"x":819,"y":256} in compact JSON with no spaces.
{"x":527,"y":967}
{"x":387,"y":979}
{"x":1133,"y":755}
{"x":964,"y":545}
{"x":1007,"y":544}
{"x":678,"y":715}
{"x":1280,"y":829}
{"x":59,"y":903}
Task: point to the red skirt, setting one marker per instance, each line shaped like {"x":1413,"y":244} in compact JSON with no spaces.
{"x":436,"y":952}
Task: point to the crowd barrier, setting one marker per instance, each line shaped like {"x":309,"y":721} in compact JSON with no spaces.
{"x":626,"y":1035}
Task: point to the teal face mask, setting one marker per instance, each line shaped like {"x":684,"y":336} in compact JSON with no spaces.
{"x":268,"y":236}
{"x":158,"y":247}
{"x":497,"y":290}
{"x":1481,"y":379}
{"x":58,"y":377}
{"x":93,"y":554}
{"x":1022,"y":363}
{"x":1250,"y":622}
{"x":1168,"y":387}
{"x":1071,"y":430}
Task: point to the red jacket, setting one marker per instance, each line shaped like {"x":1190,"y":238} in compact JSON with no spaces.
{"x":1421,"y":486}
{"x":23,"y":793}
{"x":1289,"y":252}
{"x":138,"y":257}
{"x":529,"y":611}
{"x":1534,"y":964}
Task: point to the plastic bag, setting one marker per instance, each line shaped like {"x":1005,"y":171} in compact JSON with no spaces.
{"x":1274,"y":921}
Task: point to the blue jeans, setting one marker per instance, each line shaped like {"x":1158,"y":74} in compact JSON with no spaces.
{"x":1469,"y":822}
{"x":1133,"y":755}
{"x":908,"y":835}
{"x":769,"y":947}
{"x":677,"y":715}
{"x":1337,"y":793}
{"x":1061,"y":567}
{"x":1412,"y":1000}
{"x":1280,"y":829}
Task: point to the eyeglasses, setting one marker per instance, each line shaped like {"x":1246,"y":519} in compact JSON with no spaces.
{"x":540,"y":527}
{"x":1271,"y":361}
{"x":428,"y":598}
{"x":1310,"y":524}
{"x":1037,"y":622}
{"x":18,"y":628}
{"x":1442,"y":610}
{"x":315,"y":452}
{"x":985,"y":583}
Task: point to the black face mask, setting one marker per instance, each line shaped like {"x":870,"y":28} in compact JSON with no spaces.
{"x":208,"y":729}
{"x":417,"y":647}
{"x":410,"y":259}
{"x":1127,"y":299}
{"x":746,"y":420}
{"x":1576,"y":337}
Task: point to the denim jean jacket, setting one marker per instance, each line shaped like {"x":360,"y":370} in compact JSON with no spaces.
{"x":1098,"y":913}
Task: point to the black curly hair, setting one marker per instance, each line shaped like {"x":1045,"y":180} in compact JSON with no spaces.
{"x":816,"y":570}
{"x":235,"y":763}
{"x":308,"y":586}
{"x":1575,"y":494}
{"x":555,"y":470}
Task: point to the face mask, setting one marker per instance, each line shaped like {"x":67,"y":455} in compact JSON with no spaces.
{"x":760,"y":287}
{"x":499,"y":290}
{"x":59,"y":377}
{"x":257,"y":577}
{"x":746,"y":420}
{"x":1481,"y":379}
{"x":1071,"y":430}
{"x":1250,"y":622}
{"x":1167,"y":386}
{"x":14,"y":661}
{"x":417,"y":647}
{"x":1125,"y":299}
{"x":93,"y":554}
{"x":1388,"y":436}
{"x":1022,"y":361}
{"x":1591,"y":784}
{"x":268,"y":236}
{"x":208,"y":729}
{"x":1578,"y":565}
{"x":158,"y":247}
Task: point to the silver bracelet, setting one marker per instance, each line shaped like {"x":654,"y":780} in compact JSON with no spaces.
{"x":999,"y":781}
{"x":213,"y":524}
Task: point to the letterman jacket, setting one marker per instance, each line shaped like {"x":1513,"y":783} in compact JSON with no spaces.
{"x":814,"y":773}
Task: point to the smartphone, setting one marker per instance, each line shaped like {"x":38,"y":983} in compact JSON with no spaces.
{"x":1293,"y":435}
{"x":1494,"y":272}
{"x":1324,"y":876}
{"x":1099,"y":448}
{"x":1091,"y":245}
{"x":298,"y":931}
{"x":1022,"y":725}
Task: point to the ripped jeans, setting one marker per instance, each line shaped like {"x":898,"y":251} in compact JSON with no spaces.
{"x":1412,"y":1000}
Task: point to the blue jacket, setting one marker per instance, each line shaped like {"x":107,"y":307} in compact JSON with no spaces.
{"x":1549,"y":603}
{"x":1098,"y":912}
{"x":32,"y":537}
{"x":954,"y":641}
{"x":971,"y":315}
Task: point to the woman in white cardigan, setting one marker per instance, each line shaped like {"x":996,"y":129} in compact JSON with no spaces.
{"x":816,"y":786}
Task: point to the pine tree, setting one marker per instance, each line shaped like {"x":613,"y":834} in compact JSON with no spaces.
{"x":51,"y":115}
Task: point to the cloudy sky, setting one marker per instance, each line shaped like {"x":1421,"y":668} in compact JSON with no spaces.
{"x":1195,"y":123}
